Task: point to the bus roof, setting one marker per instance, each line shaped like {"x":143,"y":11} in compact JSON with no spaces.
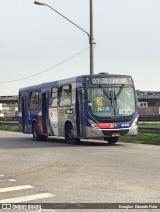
{"x":69,"y":80}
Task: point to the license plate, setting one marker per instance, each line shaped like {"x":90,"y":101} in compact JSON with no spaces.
{"x":115,"y":134}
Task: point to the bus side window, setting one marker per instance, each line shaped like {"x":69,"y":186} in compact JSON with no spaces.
{"x":65,"y":95}
{"x":34,"y":100}
{"x":55,"y":97}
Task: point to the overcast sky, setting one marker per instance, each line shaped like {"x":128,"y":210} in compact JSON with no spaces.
{"x":34,"y":39}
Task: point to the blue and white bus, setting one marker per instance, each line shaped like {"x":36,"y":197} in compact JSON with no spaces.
{"x":89,"y":106}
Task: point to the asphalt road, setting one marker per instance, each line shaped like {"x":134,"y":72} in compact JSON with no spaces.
{"x":91,"y":172}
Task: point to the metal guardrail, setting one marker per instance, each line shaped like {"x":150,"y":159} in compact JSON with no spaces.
{"x":11,"y":123}
{"x":151,"y":118}
{"x":140,"y":129}
{"x":155,"y":130}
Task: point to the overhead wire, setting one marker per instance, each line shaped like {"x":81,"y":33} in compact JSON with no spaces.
{"x":55,"y":66}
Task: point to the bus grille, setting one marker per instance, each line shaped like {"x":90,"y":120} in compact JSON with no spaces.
{"x":110,"y":132}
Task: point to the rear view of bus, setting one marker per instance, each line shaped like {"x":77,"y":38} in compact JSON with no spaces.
{"x":112,"y":107}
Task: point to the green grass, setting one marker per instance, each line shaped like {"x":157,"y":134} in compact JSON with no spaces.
{"x":9,"y":128}
{"x":143,"y":138}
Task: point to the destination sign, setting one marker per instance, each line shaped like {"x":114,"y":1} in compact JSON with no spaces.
{"x":110,"y":80}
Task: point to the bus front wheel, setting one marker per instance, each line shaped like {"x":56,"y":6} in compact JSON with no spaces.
{"x":111,"y":140}
{"x":69,"y":135}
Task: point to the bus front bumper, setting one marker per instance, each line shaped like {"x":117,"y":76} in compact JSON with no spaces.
{"x":116,"y":132}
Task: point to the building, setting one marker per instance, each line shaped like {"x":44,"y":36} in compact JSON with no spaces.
{"x":149,"y":102}
{"x":8,"y":106}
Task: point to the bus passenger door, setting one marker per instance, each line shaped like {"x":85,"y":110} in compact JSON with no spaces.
{"x":45,"y":114}
{"x":24,"y":114}
{"x":80,"y":112}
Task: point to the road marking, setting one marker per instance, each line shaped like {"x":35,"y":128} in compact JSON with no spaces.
{"x":15,"y":188}
{"x":27,"y":198}
{"x":11,"y":180}
{"x":43,"y":210}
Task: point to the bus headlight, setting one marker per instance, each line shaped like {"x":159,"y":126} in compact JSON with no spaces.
{"x":92,"y":124}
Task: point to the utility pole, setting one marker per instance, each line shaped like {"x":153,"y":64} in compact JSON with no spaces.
{"x":91,"y":39}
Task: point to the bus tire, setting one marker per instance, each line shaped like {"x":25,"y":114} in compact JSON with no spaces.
{"x":44,"y":137}
{"x":36,"y":135}
{"x":111,"y":140}
{"x":69,"y":135}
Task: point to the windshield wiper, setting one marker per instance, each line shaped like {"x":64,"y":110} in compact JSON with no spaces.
{"x":109,"y":96}
{"x":119,"y":92}
{"x":112,"y":96}
{"x":106,"y":94}
{"x":115,"y":99}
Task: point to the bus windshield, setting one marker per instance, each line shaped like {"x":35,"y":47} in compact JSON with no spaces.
{"x":111,"y":101}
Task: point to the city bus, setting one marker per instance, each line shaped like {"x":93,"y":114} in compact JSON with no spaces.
{"x":89,"y":106}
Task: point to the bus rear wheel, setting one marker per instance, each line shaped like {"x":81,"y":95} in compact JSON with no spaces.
{"x":36,"y":135}
{"x":69,"y":135}
{"x":111,"y":140}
